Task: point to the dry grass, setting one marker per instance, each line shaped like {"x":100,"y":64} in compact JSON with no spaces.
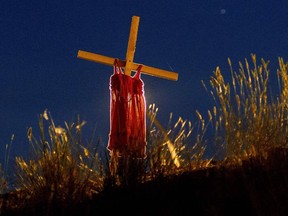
{"x":63,"y":170}
{"x":247,"y":123}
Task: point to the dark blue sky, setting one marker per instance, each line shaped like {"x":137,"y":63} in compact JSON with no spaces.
{"x":40,"y":69}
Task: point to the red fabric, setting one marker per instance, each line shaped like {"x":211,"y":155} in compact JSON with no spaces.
{"x":127,"y":114}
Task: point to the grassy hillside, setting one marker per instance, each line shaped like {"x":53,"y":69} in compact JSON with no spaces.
{"x":247,"y":173}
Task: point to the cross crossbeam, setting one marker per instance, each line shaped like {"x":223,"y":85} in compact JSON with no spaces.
{"x":152,"y":71}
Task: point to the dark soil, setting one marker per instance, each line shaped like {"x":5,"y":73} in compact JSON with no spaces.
{"x":257,"y":187}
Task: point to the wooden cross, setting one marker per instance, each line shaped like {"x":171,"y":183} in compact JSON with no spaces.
{"x":128,"y":64}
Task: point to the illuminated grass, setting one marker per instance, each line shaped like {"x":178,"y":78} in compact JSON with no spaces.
{"x":179,"y":148}
{"x":64,"y":170}
{"x":248,"y":120}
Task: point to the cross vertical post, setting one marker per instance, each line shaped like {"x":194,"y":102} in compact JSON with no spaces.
{"x":131,"y":45}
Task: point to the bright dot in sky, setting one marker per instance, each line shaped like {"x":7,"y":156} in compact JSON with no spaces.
{"x":222,"y":11}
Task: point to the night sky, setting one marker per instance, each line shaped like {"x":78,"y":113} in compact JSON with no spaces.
{"x":40,"y":69}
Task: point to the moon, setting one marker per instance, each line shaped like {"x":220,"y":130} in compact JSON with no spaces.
{"x":222,"y":11}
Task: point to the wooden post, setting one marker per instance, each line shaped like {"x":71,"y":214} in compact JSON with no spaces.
{"x":131,"y":45}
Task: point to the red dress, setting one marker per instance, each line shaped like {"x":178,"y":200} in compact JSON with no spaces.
{"x":127,"y":114}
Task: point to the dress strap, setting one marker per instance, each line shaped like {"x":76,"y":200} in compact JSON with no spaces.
{"x":138,"y":72}
{"x":117,"y":68}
